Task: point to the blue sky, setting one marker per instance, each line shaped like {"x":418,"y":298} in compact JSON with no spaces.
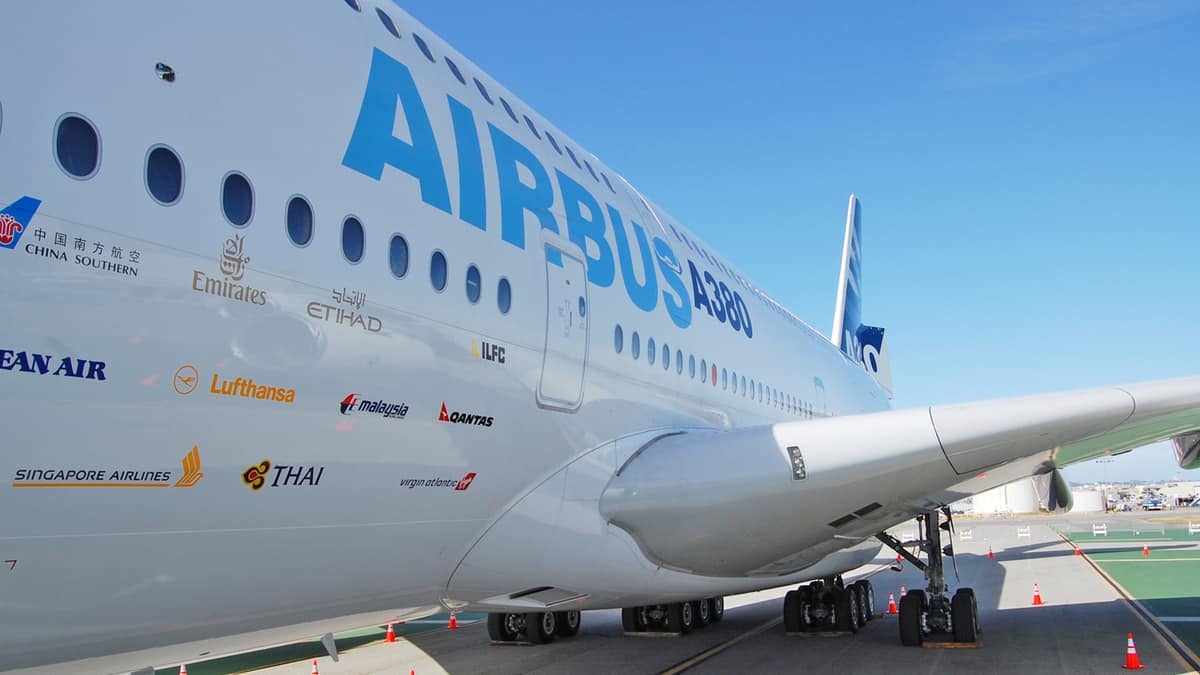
{"x":1029,"y":171}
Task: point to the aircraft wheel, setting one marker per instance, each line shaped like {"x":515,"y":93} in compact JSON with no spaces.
{"x":965,"y":616}
{"x":911,"y":608}
{"x":540,"y":627}
{"x":867,"y":597}
{"x":631,"y":620}
{"x":716,"y":607}
{"x":568,"y":623}
{"x":680,"y":618}
{"x":846,"y":611}
{"x":703,"y":613}
{"x":503,"y":627}
{"x":792,"y":620}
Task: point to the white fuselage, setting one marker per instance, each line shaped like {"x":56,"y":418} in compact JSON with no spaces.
{"x":119,"y":544}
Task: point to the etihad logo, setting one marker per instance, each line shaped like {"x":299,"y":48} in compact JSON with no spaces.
{"x":457,"y":417}
{"x":393,"y":411}
{"x":488,"y":351}
{"x":187,"y":377}
{"x":459,"y":484}
{"x":233,"y":267}
{"x":345,"y":316}
{"x":47,"y":364}
{"x":265,"y":474}
{"x":111,"y":477}
{"x":14,"y":220}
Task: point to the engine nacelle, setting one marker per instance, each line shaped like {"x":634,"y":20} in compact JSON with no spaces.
{"x":1187,"y":450}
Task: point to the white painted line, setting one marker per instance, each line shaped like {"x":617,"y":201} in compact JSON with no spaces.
{"x":1102,"y":561}
{"x":1182,"y":619}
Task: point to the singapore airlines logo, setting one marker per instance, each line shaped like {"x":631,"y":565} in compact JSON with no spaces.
{"x":191,"y":469}
{"x":233,"y":267}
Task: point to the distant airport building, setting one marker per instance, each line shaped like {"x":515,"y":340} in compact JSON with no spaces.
{"x":1017,"y":497}
{"x":1088,"y":501}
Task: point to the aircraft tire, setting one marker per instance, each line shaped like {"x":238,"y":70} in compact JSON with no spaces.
{"x":568,"y":623}
{"x":717,"y":608}
{"x":846,"y":611}
{"x":629,"y":620}
{"x":680,"y":618}
{"x":911,"y":608}
{"x":867,"y":598}
{"x":703,"y":613}
{"x":792,"y":620}
{"x":965,"y":616}
{"x":540,"y":627}
{"x":501,"y":626}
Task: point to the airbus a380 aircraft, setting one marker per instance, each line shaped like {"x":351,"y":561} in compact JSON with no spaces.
{"x":309,"y":321}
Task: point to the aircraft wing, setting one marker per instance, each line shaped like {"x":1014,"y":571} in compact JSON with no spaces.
{"x":773,"y":499}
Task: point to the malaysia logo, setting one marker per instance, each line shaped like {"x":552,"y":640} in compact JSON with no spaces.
{"x":456,"y":417}
{"x":387,"y":409}
{"x":14,"y":220}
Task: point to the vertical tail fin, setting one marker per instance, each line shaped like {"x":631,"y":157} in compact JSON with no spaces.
{"x":863,"y":344}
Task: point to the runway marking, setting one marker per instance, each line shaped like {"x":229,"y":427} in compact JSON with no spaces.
{"x":713,"y":651}
{"x":1172,"y":642}
{"x":1151,"y":559}
{"x":1188,"y":619}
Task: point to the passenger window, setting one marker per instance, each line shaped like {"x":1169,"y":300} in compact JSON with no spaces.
{"x":692,"y":366}
{"x":508,"y":109}
{"x":77,"y":147}
{"x":387,"y":22}
{"x":483,"y":91}
{"x":164,"y":175}
{"x":666,"y":359}
{"x":454,"y":69}
{"x":474,"y":288}
{"x":733,"y":381}
{"x":299,"y":221}
{"x":237,"y":199}
{"x":618,"y":339}
{"x":353,"y":241}
{"x":724,"y":379}
{"x":703,"y":371}
{"x":398,"y":256}
{"x":635,"y":345}
{"x":743,"y":386}
{"x":573,"y":159}
{"x":437,"y":271}
{"x":529,"y":123}
{"x":424,"y":48}
{"x":678,"y":362}
{"x":650,"y":351}
{"x":504,"y":296}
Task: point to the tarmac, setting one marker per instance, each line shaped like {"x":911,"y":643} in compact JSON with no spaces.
{"x":1080,"y":628}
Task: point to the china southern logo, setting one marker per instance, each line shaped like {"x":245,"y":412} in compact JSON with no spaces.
{"x":14,"y":220}
{"x":392,"y":411}
{"x":463,"y":418}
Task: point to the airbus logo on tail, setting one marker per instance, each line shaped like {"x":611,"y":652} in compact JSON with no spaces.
{"x":14,"y":220}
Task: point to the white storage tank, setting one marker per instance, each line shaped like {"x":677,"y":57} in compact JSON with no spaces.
{"x":1017,"y":497}
{"x":1088,"y":501}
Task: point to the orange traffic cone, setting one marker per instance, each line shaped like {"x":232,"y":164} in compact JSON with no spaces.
{"x":1037,"y":595}
{"x":391,"y":633}
{"x":1131,"y":658}
{"x":1145,"y":549}
{"x":991,"y":556}
{"x":314,"y":670}
{"x":903,"y":590}
{"x":183,"y":669}
{"x":453,"y":622}
{"x":892,"y":604}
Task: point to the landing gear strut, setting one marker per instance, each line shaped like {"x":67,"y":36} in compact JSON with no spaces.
{"x":929,"y":611}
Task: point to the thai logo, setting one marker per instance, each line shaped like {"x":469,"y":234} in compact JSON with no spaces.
{"x":256,"y":475}
{"x":14,"y":219}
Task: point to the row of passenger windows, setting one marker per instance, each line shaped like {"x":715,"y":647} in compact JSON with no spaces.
{"x":77,"y":150}
{"x":729,"y":380}
{"x":390,"y":26}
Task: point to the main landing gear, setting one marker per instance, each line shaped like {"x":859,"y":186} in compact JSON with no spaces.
{"x":535,"y":627}
{"x":677,"y":617}
{"x":930,"y":611}
{"x":829,"y":605}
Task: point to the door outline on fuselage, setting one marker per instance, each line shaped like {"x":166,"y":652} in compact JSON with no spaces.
{"x":565,"y":350}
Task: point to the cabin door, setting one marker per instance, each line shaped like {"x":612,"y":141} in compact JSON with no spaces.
{"x":567,"y":314}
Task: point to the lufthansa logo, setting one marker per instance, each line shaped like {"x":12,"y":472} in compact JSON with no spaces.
{"x":186,"y":379}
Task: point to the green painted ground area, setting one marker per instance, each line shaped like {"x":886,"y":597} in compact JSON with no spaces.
{"x":311,"y":649}
{"x":1166,"y":583}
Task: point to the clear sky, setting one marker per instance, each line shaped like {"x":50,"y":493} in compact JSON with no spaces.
{"x":1029,"y":171}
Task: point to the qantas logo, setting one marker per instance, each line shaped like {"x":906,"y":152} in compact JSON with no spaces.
{"x":392,"y":411}
{"x":457,"y":417}
{"x":14,"y":220}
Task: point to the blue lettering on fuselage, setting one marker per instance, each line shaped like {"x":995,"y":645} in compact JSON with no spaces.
{"x":526,"y":189}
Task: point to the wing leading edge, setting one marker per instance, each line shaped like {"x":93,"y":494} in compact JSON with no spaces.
{"x":788,"y":494}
